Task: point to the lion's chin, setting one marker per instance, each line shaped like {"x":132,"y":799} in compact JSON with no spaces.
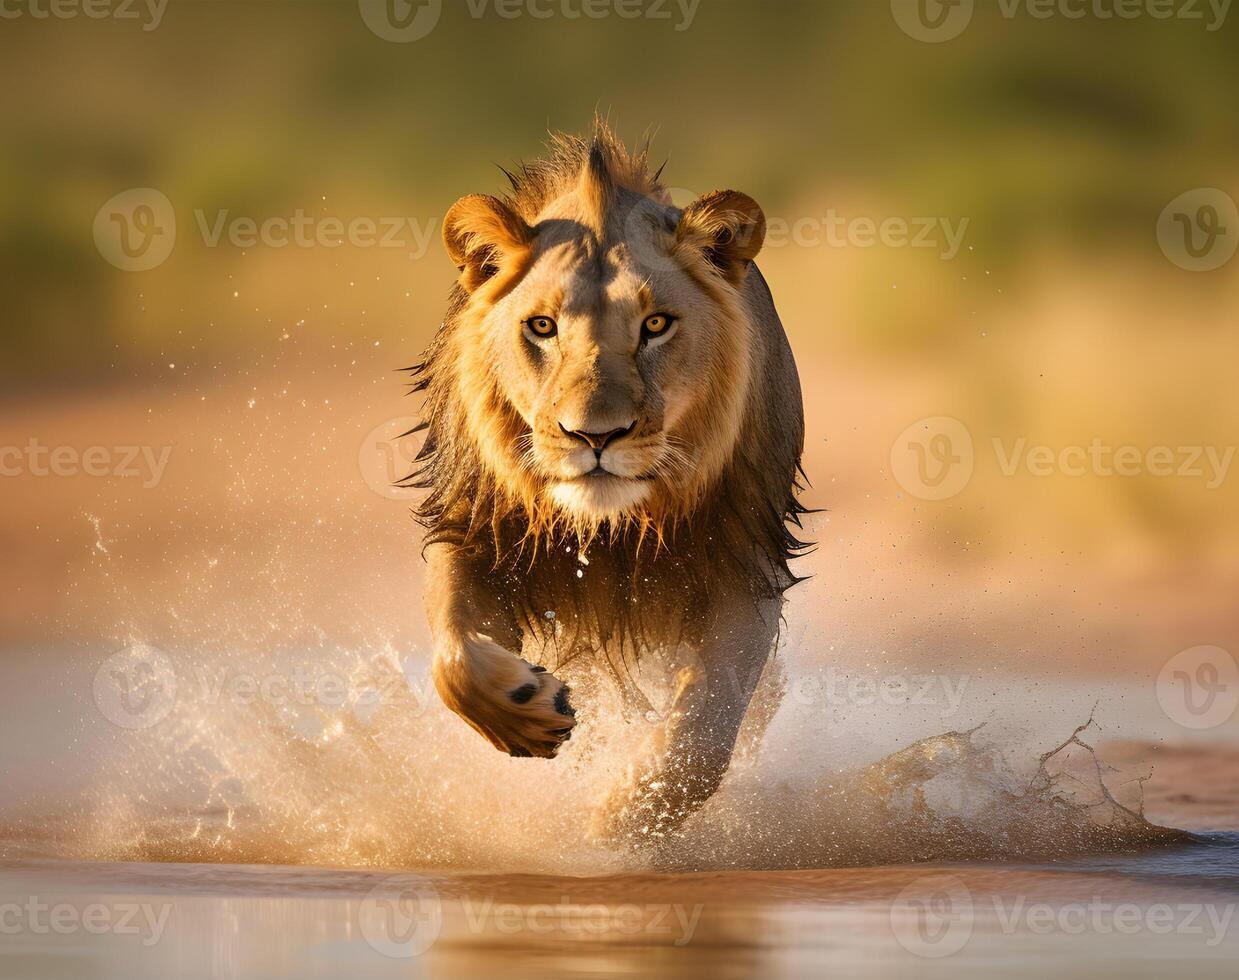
{"x":600,"y":497}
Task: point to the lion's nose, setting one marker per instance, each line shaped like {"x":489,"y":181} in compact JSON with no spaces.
{"x":597,"y":441}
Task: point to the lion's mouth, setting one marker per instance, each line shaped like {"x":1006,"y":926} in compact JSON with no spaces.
{"x":600,"y":494}
{"x":600,"y":472}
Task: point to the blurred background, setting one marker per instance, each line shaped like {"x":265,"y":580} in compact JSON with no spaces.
{"x":991,"y":232}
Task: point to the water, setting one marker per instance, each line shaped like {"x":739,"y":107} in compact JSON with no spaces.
{"x":346,"y":758}
{"x":250,"y":831}
{"x":1136,"y":918}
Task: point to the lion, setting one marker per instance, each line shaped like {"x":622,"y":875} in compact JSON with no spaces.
{"x":614,"y":428}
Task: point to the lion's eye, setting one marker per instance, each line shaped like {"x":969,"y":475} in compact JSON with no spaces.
{"x":541,"y":326}
{"x":656,"y":325}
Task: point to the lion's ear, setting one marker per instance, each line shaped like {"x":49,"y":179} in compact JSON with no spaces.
{"x":728,"y":228}
{"x":482,"y":235}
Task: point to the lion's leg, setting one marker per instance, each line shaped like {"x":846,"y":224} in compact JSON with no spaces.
{"x":693,"y":750}
{"x":763,"y":706}
{"x":520,"y":709}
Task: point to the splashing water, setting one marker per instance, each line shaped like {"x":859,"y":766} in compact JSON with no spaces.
{"x":349,"y":759}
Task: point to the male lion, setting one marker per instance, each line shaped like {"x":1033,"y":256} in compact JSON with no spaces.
{"x":614,"y":429}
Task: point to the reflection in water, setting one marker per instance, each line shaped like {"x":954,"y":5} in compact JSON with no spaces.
{"x":228,"y":921}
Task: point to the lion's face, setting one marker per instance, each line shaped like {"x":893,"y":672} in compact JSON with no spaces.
{"x":604,"y":360}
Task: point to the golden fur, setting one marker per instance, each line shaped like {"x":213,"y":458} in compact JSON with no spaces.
{"x":685,"y":514}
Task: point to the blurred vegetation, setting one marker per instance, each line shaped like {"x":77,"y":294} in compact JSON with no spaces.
{"x":1070,"y":134}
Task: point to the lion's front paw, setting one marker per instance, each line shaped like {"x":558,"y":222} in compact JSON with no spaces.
{"x":520,"y":709}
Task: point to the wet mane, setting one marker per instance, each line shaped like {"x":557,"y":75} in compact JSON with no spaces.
{"x":645,"y":581}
